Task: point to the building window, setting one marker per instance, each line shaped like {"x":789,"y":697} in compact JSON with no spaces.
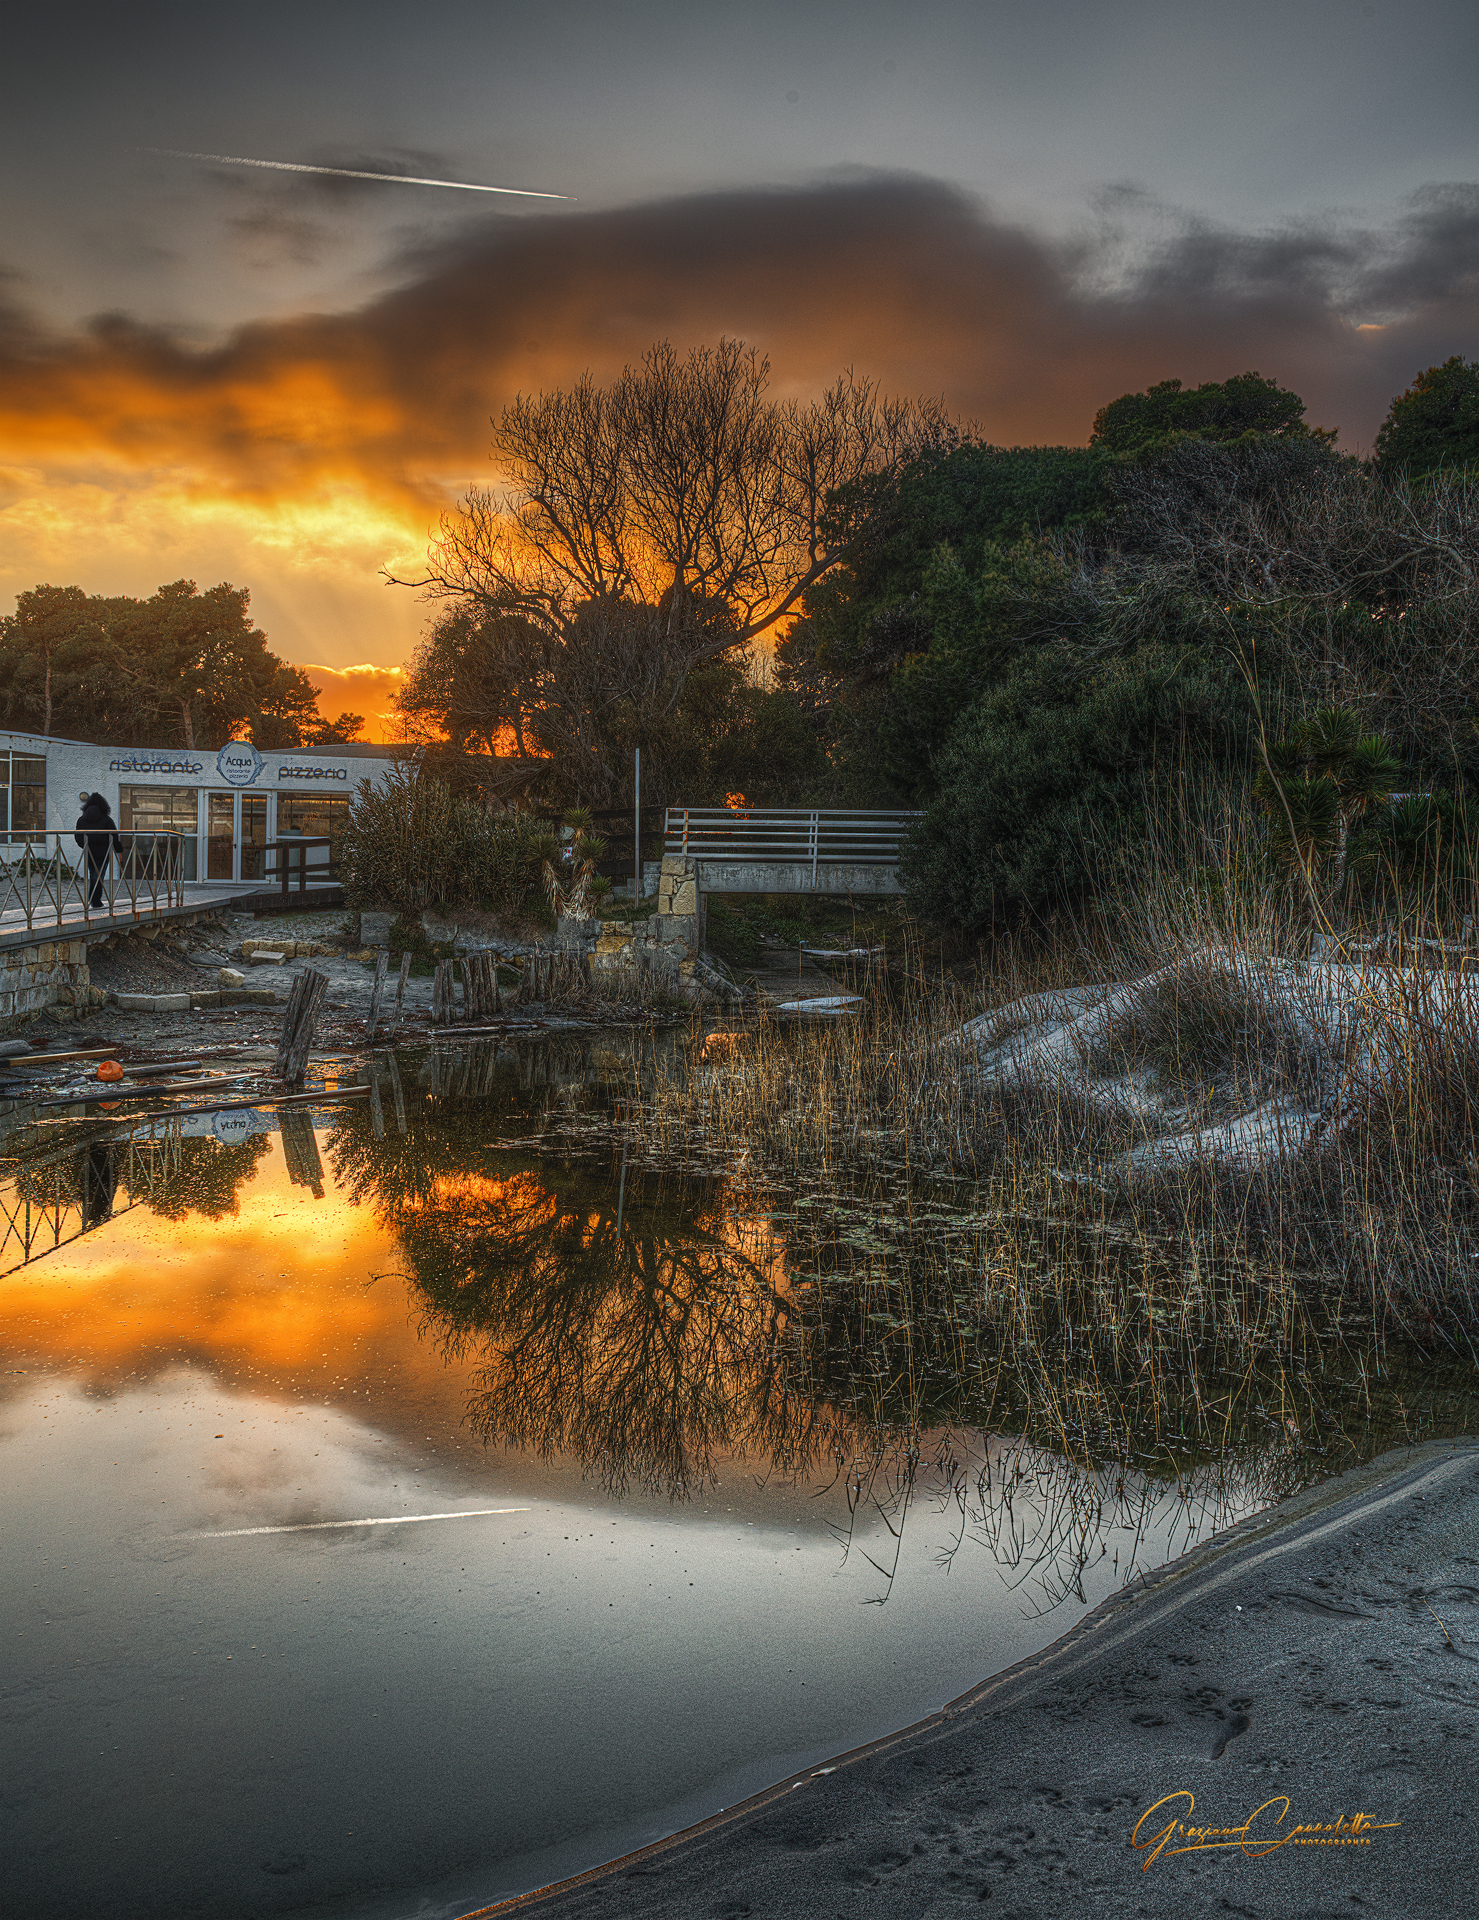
{"x":161,"y":810}
{"x":22,"y":795}
{"x":253,"y":835}
{"x":312,"y":815}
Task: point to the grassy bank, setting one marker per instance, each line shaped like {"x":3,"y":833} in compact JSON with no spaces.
{"x":1261,"y":1106}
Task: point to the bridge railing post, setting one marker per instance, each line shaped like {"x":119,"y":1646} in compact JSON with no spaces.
{"x":815,"y":836}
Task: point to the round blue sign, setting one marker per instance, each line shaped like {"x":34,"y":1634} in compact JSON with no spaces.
{"x":239,"y":763}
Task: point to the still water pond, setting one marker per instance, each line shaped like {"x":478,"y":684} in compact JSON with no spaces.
{"x":396,"y":1517}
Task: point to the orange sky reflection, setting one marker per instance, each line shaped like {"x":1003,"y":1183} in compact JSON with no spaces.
{"x":283,"y":1291}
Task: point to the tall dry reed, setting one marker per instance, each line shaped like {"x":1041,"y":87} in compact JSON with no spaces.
{"x":1321,"y":1078}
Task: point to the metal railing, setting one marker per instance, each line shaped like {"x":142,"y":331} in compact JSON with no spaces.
{"x":789,"y":835}
{"x":47,"y":881}
{"x":55,"y":1198}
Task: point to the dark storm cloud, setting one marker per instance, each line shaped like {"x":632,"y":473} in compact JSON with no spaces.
{"x":901,"y":278}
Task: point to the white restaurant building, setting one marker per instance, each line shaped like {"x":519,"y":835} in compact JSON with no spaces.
{"x":227,"y":805}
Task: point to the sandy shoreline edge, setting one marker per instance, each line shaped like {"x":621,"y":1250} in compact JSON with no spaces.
{"x":1210,"y":1677}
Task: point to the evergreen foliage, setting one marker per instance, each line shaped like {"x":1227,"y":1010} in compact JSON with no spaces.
{"x":1217,"y":410}
{"x":181,"y":669}
{"x":1435,"y":423}
{"x":1054,"y":760}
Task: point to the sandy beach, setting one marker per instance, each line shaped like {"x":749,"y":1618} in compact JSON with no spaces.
{"x":1324,"y":1654}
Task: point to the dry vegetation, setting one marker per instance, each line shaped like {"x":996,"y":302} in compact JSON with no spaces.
{"x":1263,"y":1115}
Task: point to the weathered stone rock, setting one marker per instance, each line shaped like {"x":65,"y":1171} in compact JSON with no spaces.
{"x":230,"y":977}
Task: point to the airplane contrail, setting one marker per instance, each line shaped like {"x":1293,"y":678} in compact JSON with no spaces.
{"x":393,"y":1520}
{"x":352,"y":173}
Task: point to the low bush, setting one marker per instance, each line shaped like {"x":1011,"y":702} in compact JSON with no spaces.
{"x":414,"y":843}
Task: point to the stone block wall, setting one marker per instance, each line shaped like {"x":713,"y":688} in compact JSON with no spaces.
{"x":643,"y":947}
{"x":665,"y":950}
{"x":680,"y":907}
{"x":51,"y":977}
{"x":46,"y":975}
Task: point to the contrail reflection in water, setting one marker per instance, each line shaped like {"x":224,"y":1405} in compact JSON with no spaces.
{"x":392,"y":1520}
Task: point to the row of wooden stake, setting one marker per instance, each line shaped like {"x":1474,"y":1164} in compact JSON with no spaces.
{"x":545,"y":976}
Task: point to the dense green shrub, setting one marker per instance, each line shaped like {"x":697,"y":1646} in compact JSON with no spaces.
{"x":414,"y":843}
{"x":1044,"y":767}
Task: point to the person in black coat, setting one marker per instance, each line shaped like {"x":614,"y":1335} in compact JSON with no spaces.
{"x":97,"y":831}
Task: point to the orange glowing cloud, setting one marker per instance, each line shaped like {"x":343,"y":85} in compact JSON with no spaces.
{"x":363,"y":689}
{"x":300,"y":457}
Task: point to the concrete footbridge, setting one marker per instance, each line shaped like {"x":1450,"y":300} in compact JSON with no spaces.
{"x":784,"y":850}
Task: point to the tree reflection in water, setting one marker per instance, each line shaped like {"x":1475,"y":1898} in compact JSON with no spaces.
{"x":53,"y":1197}
{"x":660,"y":1330}
{"x":655,"y":1334}
{"x":647,"y":1336}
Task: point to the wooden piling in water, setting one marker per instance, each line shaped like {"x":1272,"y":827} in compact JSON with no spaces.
{"x":300,"y":1152}
{"x":400,"y":1098}
{"x":382,"y":961}
{"x":400,"y":992}
{"x":298,"y":1023}
{"x":442,"y":994}
{"x":480,"y":996}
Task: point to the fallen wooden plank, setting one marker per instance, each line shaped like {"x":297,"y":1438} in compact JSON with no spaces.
{"x":111,"y":1090}
{"x":267,"y":1106}
{"x":226,"y":1106}
{"x":39,"y":1057}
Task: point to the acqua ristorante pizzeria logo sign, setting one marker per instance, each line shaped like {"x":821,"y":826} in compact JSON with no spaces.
{"x":239,"y":763}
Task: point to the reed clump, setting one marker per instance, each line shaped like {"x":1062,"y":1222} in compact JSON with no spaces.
{"x":414,"y":843}
{"x":1200,"y":1066}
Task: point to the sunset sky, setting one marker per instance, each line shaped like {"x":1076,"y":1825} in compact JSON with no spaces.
{"x":280,"y":379}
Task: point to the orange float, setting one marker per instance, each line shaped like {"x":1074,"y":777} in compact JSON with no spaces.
{"x":109,"y":1070}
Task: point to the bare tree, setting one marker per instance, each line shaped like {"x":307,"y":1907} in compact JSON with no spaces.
{"x":681,"y":485}
{"x":645,"y":528}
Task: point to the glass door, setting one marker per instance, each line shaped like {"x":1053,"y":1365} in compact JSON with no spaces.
{"x":253,"y":835}
{"x":220,"y":836}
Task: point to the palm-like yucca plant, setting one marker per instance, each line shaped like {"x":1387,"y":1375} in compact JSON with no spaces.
{"x":574,"y":896}
{"x":1316,"y":783}
{"x":1303,"y":817}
